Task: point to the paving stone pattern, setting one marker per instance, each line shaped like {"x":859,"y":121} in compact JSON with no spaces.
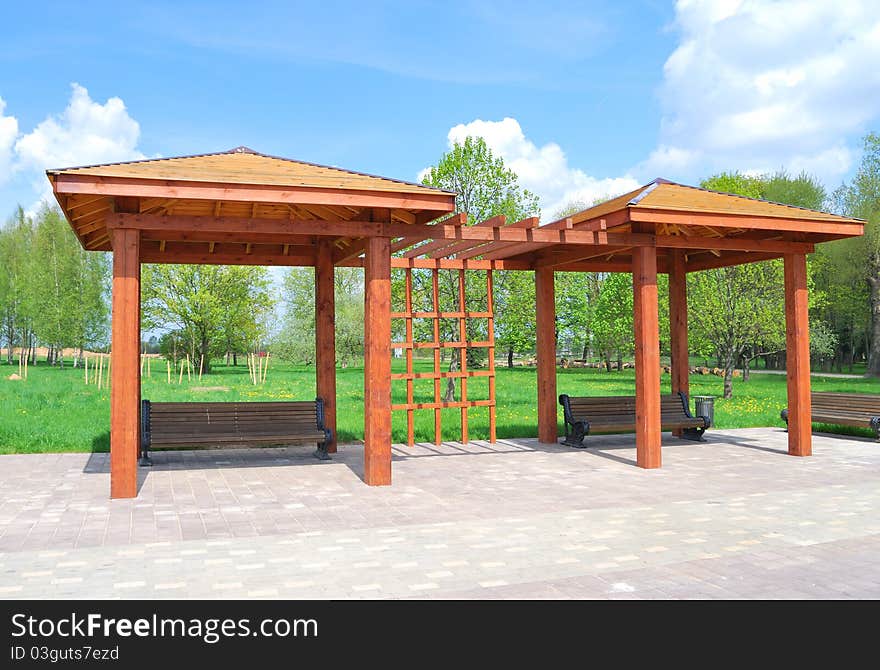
{"x":735,"y":517}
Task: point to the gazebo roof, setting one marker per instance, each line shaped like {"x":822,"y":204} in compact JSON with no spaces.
{"x":236,"y":183}
{"x":243,"y":165}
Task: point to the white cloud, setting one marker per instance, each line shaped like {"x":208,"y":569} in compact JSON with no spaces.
{"x":85,"y":133}
{"x":543,"y":170}
{"x":764,"y":84}
{"x":8,"y":133}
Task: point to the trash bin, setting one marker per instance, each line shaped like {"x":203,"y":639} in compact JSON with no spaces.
{"x":704,"y":405}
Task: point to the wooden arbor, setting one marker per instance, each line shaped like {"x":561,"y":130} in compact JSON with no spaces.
{"x":241,"y":207}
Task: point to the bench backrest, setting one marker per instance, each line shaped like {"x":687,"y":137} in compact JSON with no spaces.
{"x":585,"y":407}
{"x":848,"y":403}
{"x":222,"y":418}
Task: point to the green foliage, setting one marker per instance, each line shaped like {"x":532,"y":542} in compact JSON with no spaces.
{"x":485,"y":187}
{"x":735,"y":183}
{"x":215,"y":309}
{"x":515,"y":307}
{"x":296,"y":340}
{"x":848,"y":259}
{"x":51,"y":291}
{"x":613,"y":317}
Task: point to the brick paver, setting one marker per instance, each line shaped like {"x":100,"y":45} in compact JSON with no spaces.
{"x":733,"y":518}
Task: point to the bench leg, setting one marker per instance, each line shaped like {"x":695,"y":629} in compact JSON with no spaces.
{"x":575,"y":439}
{"x":321,"y":452}
{"x":694,"y":434}
{"x":145,"y":459}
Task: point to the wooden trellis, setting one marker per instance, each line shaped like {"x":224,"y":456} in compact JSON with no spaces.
{"x":462,"y":343}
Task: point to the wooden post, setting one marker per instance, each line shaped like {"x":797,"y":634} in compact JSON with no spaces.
{"x":377,"y":362}
{"x":125,"y":398}
{"x":545,"y":327}
{"x":325,"y":336}
{"x":678,"y":325}
{"x":797,"y":347}
{"x":647,"y":341}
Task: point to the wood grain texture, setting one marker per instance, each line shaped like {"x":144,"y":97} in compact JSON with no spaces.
{"x":647,"y":358}
{"x":678,"y":325}
{"x":325,"y":336}
{"x":545,"y":328}
{"x":797,"y":346}
{"x":377,"y":362}
{"x":125,"y":389}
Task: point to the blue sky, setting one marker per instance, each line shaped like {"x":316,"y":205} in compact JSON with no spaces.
{"x":582,"y":99}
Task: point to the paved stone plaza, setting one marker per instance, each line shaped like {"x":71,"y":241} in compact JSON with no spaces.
{"x":732,"y":518}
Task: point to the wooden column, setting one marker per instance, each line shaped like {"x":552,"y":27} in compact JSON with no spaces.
{"x":647,"y":341}
{"x":545,"y":327}
{"x":797,"y":347}
{"x":377,"y":362}
{"x":678,"y":325}
{"x":125,"y":377}
{"x":325,"y":336}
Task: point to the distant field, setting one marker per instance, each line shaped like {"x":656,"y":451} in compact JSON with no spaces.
{"x":55,"y":411}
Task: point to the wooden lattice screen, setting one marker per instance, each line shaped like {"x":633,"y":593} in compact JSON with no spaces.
{"x":462,"y":342}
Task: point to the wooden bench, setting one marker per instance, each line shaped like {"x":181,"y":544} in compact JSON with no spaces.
{"x":617,"y":414}
{"x":844,"y":409}
{"x":232,"y":424}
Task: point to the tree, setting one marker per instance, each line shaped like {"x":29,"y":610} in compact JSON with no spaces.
{"x":296,"y":339}
{"x":70,"y":301}
{"x":515,"y":313}
{"x":738,"y":306}
{"x":16,"y":283}
{"x":613,"y":319}
{"x":485,"y":188}
{"x":197,"y":300}
{"x":861,"y":198}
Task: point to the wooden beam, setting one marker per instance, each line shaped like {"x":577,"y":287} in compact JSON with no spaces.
{"x":797,"y":347}
{"x":229,"y":238}
{"x":564,"y":224}
{"x":377,"y":362}
{"x":842,"y":228}
{"x":246,"y":226}
{"x":545,"y":330}
{"x":728,"y":260}
{"x":455,"y":247}
{"x":198,"y":257}
{"x":353,"y":250}
{"x":526,"y":224}
{"x":325,"y":336}
{"x":450,"y":264}
{"x":647,"y":346}
{"x":191,"y":190}
{"x":457,"y":219}
{"x":125,"y":385}
{"x":678,"y":325}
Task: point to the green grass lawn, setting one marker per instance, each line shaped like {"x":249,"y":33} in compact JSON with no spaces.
{"x":55,"y":411}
